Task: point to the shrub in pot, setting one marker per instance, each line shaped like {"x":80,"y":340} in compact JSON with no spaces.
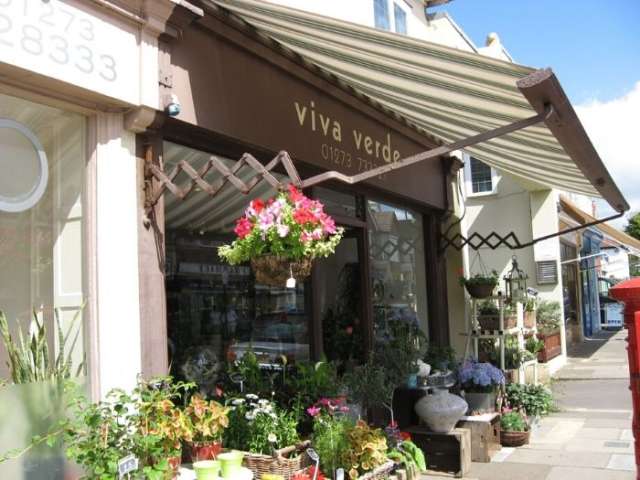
{"x":480,"y":382}
{"x":480,"y":285}
{"x":530,"y":313}
{"x":514,"y":429}
{"x":549,"y":319}
{"x":207,"y":421}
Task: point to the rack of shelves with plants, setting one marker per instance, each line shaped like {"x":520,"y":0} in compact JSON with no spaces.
{"x":493,"y":318}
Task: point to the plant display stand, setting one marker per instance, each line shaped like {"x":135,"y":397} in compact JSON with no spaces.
{"x":485,"y":435}
{"x":445,"y":452}
{"x":475,"y":333}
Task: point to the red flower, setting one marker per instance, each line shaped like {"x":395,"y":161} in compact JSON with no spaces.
{"x":294,"y":194}
{"x":257,"y":205}
{"x":405,"y":436}
{"x":302,"y":216}
{"x":243,"y":227}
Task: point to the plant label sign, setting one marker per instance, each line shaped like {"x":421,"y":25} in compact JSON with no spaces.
{"x":127,"y":465}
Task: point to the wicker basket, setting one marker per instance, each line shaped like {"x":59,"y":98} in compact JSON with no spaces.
{"x":479,"y":290}
{"x":285,"y":461}
{"x":514,"y":439}
{"x":492,"y":322}
{"x":273,"y":270}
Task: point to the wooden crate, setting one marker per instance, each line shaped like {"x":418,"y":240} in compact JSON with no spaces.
{"x":445,"y":452}
{"x":485,"y":435}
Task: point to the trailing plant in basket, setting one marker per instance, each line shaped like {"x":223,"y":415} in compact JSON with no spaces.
{"x":289,"y":225}
{"x":480,"y":279}
{"x":513,"y":421}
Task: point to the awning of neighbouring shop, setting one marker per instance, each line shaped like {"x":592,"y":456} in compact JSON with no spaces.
{"x":446,"y":94}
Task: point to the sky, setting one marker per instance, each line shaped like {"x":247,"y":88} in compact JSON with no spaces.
{"x":593,"y":46}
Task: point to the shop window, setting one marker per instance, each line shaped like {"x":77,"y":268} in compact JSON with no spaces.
{"x":42,"y":219}
{"x":400,"y":19}
{"x":216,"y":311}
{"x":397,"y":269}
{"x":479,"y":177}
{"x":381,"y":14}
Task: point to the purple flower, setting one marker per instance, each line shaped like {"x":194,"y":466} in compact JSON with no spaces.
{"x":480,"y":374}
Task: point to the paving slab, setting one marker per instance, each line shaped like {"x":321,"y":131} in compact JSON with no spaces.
{"x":577,"y":473}
{"x":508,"y":471}
{"x":607,"y":423}
{"x":561,"y":458}
{"x":622,"y":462}
{"x":605,"y":446}
{"x":601,"y":433}
{"x":626,"y":434}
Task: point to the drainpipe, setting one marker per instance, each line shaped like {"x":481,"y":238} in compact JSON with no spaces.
{"x":629,"y":293}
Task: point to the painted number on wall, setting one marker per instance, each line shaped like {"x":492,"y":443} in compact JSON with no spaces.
{"x":52,"y":31}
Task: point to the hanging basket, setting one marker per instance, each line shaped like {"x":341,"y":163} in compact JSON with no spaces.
{"x":479,"y":290}
{"x":274,"y":271}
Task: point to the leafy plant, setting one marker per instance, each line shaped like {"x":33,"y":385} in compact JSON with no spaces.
{"x":368,"y":385}
{"x":530,"y":305}
{"x":480,"y":279}
{"x":440,"y":357}
{"x":254,"y":379}
{"x":330,"y":441}
{"x":206,"y":419}
{"x":411,"y":457}
{"x":534,"y":345}
{"x":312,"y":381}
{"x":533,"y":399}
{"x":259,"y":426}
{"x":29,"y":356}
{"x":367,"y":449}
{"x":633,"y":227}
{"x":548,"y":316}
{"x":288,"y":225}
{"x":488,"y":307}
{"x":513,"y":422}
{"x":399,"y":351}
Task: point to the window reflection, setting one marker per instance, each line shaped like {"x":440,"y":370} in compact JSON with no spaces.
{"x":399,"y":292}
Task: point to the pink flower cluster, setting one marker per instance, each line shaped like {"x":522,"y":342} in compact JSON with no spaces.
{"x":329,"y":406}
{"x":307,"y":213}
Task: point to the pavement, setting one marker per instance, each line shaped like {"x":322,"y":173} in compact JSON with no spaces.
{"x":589,"y":437}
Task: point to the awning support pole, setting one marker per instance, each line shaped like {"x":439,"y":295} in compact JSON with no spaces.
{"x":435,"y":152}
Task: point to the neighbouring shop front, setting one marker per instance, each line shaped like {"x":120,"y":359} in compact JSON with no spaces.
{"x":387,"y":269}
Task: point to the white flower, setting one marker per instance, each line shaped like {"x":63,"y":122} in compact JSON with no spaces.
{"x":251,"y":396}
{"x":283,"y":230}
{"x":262,"y":402}
{"x":250,"y":416}
{"x":272,"y":438}
{"x":237,"y":401}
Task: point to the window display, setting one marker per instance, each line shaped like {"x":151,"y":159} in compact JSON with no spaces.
{"x":216,"y":311}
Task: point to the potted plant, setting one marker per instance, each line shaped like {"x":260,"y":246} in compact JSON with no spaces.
{"x":266,"y":434}
{"x":510,"y":315}
{"x":368,"y":386}
{"x":480,"y":382}
{"x":282,"y":236}
{"x":207,"y":421}
{"x":530,"y":313}
{"x":514,"y":429}
{"x":488,"y":315}
{"x":548,"y":318}
{"x":480,"y":285}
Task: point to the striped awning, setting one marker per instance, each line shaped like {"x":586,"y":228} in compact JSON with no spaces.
{"x":445,"y":93}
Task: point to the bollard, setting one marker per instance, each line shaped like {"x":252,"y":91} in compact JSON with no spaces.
{"x":629,"y":293}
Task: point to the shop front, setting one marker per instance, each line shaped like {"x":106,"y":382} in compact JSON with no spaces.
{"x":386,"y":270}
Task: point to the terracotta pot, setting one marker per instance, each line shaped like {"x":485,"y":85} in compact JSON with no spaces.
{"x":514,"y":439}
{"x":205,"y":451}
{"x":174,"y":465}
{"x":529,"y":319}
{"x":479,"y":291}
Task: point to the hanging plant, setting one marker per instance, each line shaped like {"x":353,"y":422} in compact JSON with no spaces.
{"x":282,"y":236}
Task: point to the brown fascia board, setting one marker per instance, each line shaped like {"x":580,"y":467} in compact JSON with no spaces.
{"x":541,"y":88}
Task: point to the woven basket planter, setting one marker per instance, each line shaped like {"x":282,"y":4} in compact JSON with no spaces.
{"x":514,"y":439}
{"x":492,"y":322}
{"x":378,"y":473}
{"x":273,"y":270}
{"x":479,"y":290}
{"x":285,"y":461}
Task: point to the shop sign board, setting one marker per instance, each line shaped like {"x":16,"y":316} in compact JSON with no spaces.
{"x":247,"y":97}
{"x":70,"y":41}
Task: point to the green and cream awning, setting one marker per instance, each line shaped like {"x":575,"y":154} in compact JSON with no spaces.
{"x":447,"y":94}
